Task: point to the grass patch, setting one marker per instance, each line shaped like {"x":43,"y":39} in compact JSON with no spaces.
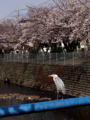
{"x":47,"y":68}
{"x":38,"y":83}
{"x":16,"y":79}
{"x":21,"y":80}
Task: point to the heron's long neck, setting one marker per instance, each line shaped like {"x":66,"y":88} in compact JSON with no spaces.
{"x":54,"y":78}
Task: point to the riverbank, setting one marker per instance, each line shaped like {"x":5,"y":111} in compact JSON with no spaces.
{"x":29,"y":98}
{"x":76,"y":78}
{"x":13,"y":94}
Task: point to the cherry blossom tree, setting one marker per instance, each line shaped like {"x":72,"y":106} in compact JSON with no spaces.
{"x":76,"y":21}
{"x":67,"y":21}
{"x":7,"y":29}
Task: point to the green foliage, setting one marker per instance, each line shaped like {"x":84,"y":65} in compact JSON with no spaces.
{"x":38,"y":83}
{"x":16,"y":79}
{"x":21,"y":80}
{"x":57,"y":50}
{"x":78,"y":45}
{"x":47,"y":68}
{"x":33,"y":51}
{"x":1,"y":64}
{"x":31,"y":67}
{"x":8,"y":50}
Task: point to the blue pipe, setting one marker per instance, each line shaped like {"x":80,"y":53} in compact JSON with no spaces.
{"x":42,"y":106}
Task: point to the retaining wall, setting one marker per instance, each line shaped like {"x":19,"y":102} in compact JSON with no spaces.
{"x":76,"y":78}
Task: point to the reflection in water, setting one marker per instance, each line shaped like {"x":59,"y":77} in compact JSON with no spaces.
{"x":49,"y":115}
{"x":78,"y":113}
{"x":65,"y":114}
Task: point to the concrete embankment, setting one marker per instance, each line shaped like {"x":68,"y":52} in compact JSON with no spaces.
{"x":76,"y":78}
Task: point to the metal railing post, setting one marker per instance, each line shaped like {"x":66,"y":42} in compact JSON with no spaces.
{"x":4,"y":57}
{"x":22,"y":57}
{"x":27,"y":57}
{"x":10,"y":57}
{"x":7,"y":57}
{"x":37,"y":57}
{"x":18,"y":57}
{"x":50,"y":58}
{"x":73,"y":57}
{"x":56,"y":58}
{"x":14,"y":57}
{"x":43,"y":57}
{"x":64,"y":58}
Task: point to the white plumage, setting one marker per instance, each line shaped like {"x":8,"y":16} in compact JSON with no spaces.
{"x":59,"y":84}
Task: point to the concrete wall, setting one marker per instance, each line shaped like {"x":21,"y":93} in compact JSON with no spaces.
{"x":76,"y":78}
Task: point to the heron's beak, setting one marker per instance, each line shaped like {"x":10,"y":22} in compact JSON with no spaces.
{"x":49,"y":75}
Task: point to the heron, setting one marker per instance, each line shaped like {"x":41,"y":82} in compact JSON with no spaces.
{"x":59,"y":84}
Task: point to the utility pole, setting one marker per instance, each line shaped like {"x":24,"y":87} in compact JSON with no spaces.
{"x":18,"y":12}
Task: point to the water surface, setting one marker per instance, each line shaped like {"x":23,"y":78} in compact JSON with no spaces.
{"x":78,"y":113}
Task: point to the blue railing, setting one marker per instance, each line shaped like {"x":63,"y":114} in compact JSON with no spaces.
{"x":44,"y":106}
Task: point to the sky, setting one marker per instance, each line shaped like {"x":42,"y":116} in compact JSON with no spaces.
{"x":8,"y":7}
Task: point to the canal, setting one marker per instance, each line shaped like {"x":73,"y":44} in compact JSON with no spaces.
{"x":78,"y":113}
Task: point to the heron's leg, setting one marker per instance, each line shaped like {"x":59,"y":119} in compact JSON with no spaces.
{"x":62,"y":96}
{"x":57,"y":94}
